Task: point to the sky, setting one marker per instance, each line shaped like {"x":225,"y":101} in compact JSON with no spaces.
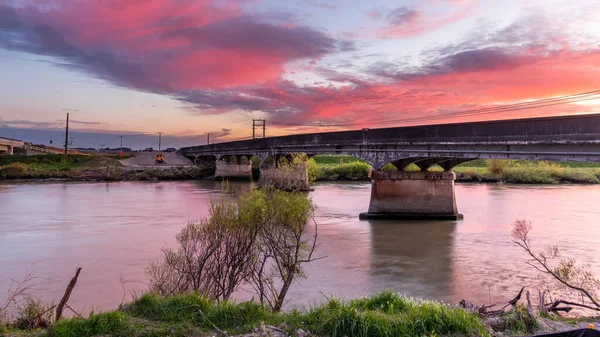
{"x":190,"y":67}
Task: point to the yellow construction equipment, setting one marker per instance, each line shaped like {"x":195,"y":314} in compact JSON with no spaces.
{"x":160,"y":158}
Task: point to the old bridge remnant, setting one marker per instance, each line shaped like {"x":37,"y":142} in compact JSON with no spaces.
{"x":428,"y":194}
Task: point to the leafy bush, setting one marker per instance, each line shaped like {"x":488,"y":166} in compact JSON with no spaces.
{"x":196,"y":309}
{"x":112,"y":323}
{"x":496,"y":166}
{"x":13,"y":171}
{"x":388,"y":314}
{"x":33,"y":314}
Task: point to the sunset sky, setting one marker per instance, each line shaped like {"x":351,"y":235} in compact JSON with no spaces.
{"x":186,"y":67}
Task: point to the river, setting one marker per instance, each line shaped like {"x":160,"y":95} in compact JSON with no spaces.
{"x":113,"y":230}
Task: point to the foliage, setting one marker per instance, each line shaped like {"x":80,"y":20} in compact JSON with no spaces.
{"x":385,"y":314}
{"x":282,"y":246}
{"x":213,"y":256}
{"x":496,"y":166}
{"x":198,"y":310}
{"x":519,"y":321}
{"x":33,"y":314}
{"x":109,"y":323}
{"x":258,"y":238}
{"x":388,"y":314}
{"x":568,"y":281}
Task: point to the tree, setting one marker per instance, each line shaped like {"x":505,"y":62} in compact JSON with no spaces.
{"x":575,"y":283}
{"x":213,"y":256}
{"x":283,"y":246}
{"x":258,"y":238}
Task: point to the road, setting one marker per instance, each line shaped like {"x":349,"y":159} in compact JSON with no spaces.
{"x":147,"y":160}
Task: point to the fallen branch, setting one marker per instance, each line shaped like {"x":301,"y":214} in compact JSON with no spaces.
{"x":277,"y":329}
{"x":73,"y":311}
{"x":213,"y":325}
{"x":63,"y":301}
{"x":554,"y":306}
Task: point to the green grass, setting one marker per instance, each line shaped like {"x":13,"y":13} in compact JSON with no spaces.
{"x":334,"y":160}
{"x":385,"y":314}
{"x":52,"y":165}
{"x":388,"y":314}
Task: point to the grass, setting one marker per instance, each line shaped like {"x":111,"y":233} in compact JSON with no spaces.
{"x":385,"y":314}
{"x":529,"y":172}
{"x":328,"y":168}
{"x":52,"y":165}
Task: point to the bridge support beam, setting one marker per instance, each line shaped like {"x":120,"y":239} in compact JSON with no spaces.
{"x":418,"y":195}
{"x":226,"y":170}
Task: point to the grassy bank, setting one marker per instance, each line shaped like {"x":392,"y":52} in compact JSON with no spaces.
{"x":87,"y":168}
{"x":327,"y":168}
{"x":385,"y":314}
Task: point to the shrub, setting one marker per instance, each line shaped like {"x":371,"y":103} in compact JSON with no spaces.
{"x":388,"y":314}
{"x":109,"y":323}
{"x":196,"y":309}
{"x":496,"y":166}
{"x":13,"y":171}
{"x":33,"y":314}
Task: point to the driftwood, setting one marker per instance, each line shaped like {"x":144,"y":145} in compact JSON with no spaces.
{"x":553,"y":307}
{"x":484,"y":309}
{"x":63,"y":301}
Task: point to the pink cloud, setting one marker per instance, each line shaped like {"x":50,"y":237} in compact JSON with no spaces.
{"x":407,"y":22}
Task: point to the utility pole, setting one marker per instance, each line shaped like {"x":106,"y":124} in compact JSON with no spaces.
{"x":67,"y":136}
{"x":159,"y":139}
{"x":261,"y":122}
{"x":207,"y":137}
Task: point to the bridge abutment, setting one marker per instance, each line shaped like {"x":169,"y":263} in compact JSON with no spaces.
{"x":420,"y":195}
{"x":235,"y":170}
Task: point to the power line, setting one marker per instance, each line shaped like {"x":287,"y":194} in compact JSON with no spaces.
{"x":567,"y":99}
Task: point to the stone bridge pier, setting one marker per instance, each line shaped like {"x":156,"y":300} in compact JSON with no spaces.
{"x":420,"y":195}
{"x":234,"y":167}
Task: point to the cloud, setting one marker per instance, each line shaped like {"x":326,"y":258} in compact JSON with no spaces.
{"x":162,"y":46}
{"x":407,"y":22}
{"x":403,"y":16}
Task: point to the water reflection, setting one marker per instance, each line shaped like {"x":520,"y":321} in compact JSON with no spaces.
{"x":412,"y":257}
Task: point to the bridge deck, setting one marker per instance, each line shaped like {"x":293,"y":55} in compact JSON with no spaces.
{"x":549,"y":138}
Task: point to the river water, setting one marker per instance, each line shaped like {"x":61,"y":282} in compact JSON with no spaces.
{"x":113,"y":230}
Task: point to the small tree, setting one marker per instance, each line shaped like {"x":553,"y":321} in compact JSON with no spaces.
{"x":575,"y":283}
{"x":213,"y":257}
{"x":283,"y":245}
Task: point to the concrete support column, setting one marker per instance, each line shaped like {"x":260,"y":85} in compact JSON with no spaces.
{"x":292,"y":178}
{"x":10,"y":149}
{"x":225,"y":170}
{"x":412,"y":195}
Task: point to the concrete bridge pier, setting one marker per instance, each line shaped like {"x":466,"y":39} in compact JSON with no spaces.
{"x":234,"y":168}
{"x":291,"y":176}
{"x":420,"y":195}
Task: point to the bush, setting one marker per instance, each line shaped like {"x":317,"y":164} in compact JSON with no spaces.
{"x":388,"y":314}
{"x":13,"y":171}
{"x":110,"y":323}
{"x":187,"y":307}
{"x":33,"y":314}
{"x":496,"y":166}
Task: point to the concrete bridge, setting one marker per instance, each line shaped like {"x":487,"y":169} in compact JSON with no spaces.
{"x":423,"y":194}
{"x":8,"y":145}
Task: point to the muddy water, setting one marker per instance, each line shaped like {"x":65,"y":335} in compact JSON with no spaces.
{"x":114,"y":230}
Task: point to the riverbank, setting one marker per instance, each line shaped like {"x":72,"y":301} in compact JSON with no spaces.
{"x":90,"y":168}
{"x":328,"y":168}
{"x":321,"y":168}
{"x":384,"y":314}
